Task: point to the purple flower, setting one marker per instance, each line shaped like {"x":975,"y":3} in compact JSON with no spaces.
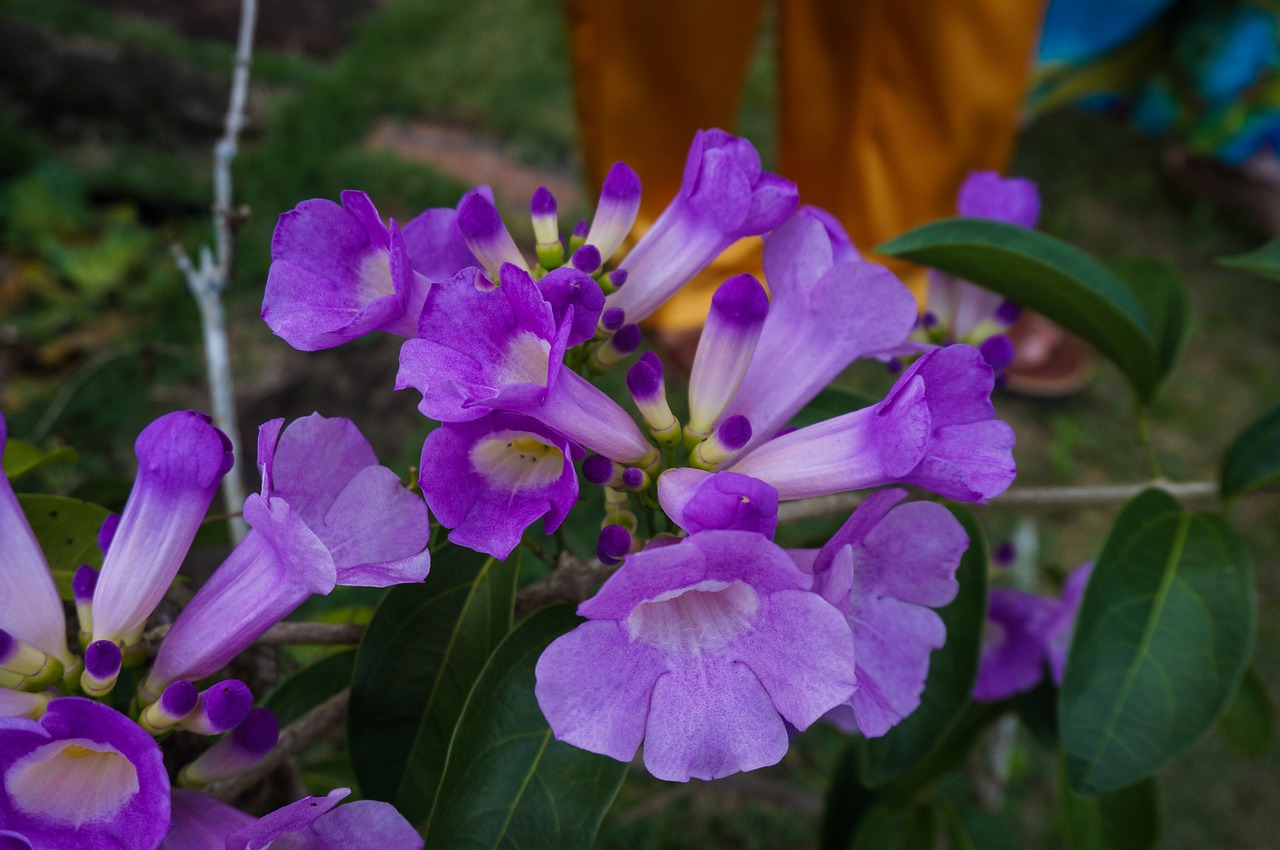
{"x":437,"y":248}
{"x":83,"y":775}
{"x":499,"y":348}
{"x":489,"y":479}
{"x":1013,"y":200}
{"x":30,"y":609}
{"x":337,"y":273}
{"x":1062,"y":626}
{"x":886,"y":569}
{"x":1013,"y":649}
{"x":704,"y":649}
{"x":575,"y":296}
{"x":935,"y":429}
{"x":725,"y":195}
{"x":204,"y":823}
{"x":181,"y":460}
{"x":705,"y":501}
{"x":826,"y":313}
{"x":328,"y":514}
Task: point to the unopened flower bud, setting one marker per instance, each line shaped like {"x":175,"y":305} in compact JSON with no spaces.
{"x":615,"y":348}
{"x":25,"y":668}
{"x":730,"y":437}
{"x":102,"y":663}
{"x":219,"y":708}
{"x":614,"y":545}
{"x":648,"y":391}
{"x":175,"y":703}
{"x":598,"y":469}
{"x":546,"y":228}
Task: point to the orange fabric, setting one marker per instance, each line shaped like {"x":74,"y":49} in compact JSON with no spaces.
{"x":885,"y":105}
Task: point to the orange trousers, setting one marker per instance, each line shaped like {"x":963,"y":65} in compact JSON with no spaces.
{"x":884,"y":106}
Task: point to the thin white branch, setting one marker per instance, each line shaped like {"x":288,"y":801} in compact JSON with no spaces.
{"x":209,"y":280}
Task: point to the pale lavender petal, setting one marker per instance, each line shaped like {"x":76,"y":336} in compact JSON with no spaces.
{"x":738,"y":310}
{"x":721,"y":501}
{"x":308,"y":463}
{"x":580,"y":411}
{"x":486,"y":235}
{"x":708,"y":720}
{"x":894,"y":640}
{"x":575,"y":295}
{"x":22,"y":704}
{"x":436,"y":245}
{"x":275,"y":568}
{"x":676,"y":487}
{"x":491,"y":478}
{"x":645,"y":575}
{"x":1062,"y":625}
{"x":362,"y":825}
{"x":594,"y":685}
{"x":181,"y":460}
{"x":83,"y":775}
{"x":804,"y":677}
{"x":842,"y":248}
{"x":29,"y":605}
{"x":1013,"y":200}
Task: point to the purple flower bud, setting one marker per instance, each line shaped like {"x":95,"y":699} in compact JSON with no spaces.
{"x":102,"y":663}
{"x":219,"y":708}
{"x":618,"y":277}
{"x":543,"y":203}
{"x":486,"y":235}
{"x":729,"y":437}
{"x":614,"y":544}
{"x":1005,"y":554}
{"x":612,"y":319}
{"x":627,"y":339}
{"x":598,"y":469}
{"x":1008,"y":312}
{"x":738,"y":311}
{"x":615,"y":348}
{"x":644,"y":378}
{"x":634,"y":478}
{"x":580,"y":230}
{"x":616,"y":212}
{"x":83,"y":583}
{"x":586,"y":259}
{"x":108,"y":531}
{"x":1013,"y":200}
{"x":175,"y":703}
{"x":23,"y":667}
{"x":929,"y":320}
{"x":997,"y":351}
{"x":244,"y":747}
{"x":893,"y":366}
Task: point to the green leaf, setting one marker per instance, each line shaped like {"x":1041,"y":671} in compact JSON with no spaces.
{"x":848,"y":800}
{"x":1163,"y":295}
{"x":1047,"y":275}
{"x":508,"y":782}
{"x":1124,"y":819}
{"x":310,"y":686}
{"x":20,"y":457}
{"x":952,"y":670}
{"x":1264,"y":261}
{"x":890,"y":828}
{"x":1253,"y":459}
{"x":1162,"y":640}
{"x":423,"y":650}
{"x":67,"y":530}
{"x":1250,"y":723}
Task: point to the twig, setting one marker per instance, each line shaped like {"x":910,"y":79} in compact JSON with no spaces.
{"x":572,"y":580}
{"x":283,"y":634}
{"x":209,"y":280}
{"x":1021,"y":497}
{"x":311,"y":727}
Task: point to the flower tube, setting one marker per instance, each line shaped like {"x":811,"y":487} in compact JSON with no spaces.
{"x":83,"y":775}
{"x":437,"y":249}
{"x":724,"y":195}
{"x":181,"y":460}
{"x":738,"y":310}
{"x":337,"y":273}
{"x":616,"y":211}
{"x":935,"y":428}
{"x":30,"y":609}
{"x":245,"y":746}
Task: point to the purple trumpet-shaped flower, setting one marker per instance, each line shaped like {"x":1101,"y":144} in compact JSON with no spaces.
{"x":705,"y":501}
{"x":487,"y":235}
{"x":826,"y":313}
{"x":181,"y":460}
{"x":1013,"y":200}
{"x":616,"y":212}
{"x":201,"y":822}
{"x":489,"y":479}
{"x":576,"y":296}
{"x":725,"y":195}
{"x":337,"y":273}
{"x":738,"y":310}
{"x":83,"y":775}
{"x":245,"y":746}
{"x":328,"y":514}
{"x":935,"y":429}
{"x":500,"y":349}
{"x":886,"y":569}
{"x":1024,"y":630}
{"x":705,"y":649}
{"x":30,"y":609}
{"x":437,"y":249}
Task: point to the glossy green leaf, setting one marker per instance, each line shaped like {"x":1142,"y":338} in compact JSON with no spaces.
{"x":310,"y":686}
{"x":1253,"y":459}
{"x":952,"y":670}
{"x":1250,"y":723}
{"x":1264,"y":261}
{"x":20,"y":457}
{"x":422,"y":652}
{"x":1124,"y":819}
{"x":67,"y":530}
{"x":1049,"y":276}
{"x":508,"y":782}
{"x":1163,"y":295}
{"x":1162,"y":639}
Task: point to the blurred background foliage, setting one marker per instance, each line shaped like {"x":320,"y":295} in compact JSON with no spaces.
{"x":108,"y":113}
